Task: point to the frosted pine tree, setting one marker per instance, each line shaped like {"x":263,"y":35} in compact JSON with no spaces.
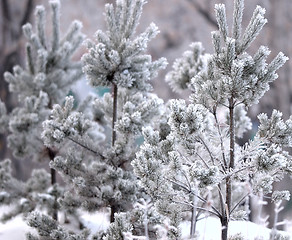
{"x":199,"y":167}
{"x":44,"y":81}
{"x":191,"y":167}
{"x":100,"y":171}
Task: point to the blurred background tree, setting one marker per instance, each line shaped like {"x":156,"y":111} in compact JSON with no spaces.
{"x":13,"y":15}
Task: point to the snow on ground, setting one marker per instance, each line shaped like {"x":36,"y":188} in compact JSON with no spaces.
{"x":96,"y":222}
{"x":209,"y":228}
{"x":14,"y":229}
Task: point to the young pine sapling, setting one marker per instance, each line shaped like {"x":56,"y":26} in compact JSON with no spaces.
{"x":199,"y":167}
{"x":101,"y":172}
{"x":46,"y":80}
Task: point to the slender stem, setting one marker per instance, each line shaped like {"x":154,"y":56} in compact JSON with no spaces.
{"x":221,"y":141}
{"x":52,"y":155}
{"x":53,"y":176}
{"x":228,"y":202}
{"x":221,"y":198}
{"x":231,"y":153}
{"x":239,"y":170}
{"x":114,"y":208}
{"x":198,"y":208}
{"x":187,"y":179}
{"x":203,"y":160}
{"x":86,"y":147}
{"x":113,"y":211}
{"x":231,"y":132}
{"x":115,"y":112}
{"x":224,"y":231}
{"x":196,"y":194}
{"x":208,"y":149}
{"x":209,"y":211}
{"x":239,"y":202}
{"x":194,"y":216}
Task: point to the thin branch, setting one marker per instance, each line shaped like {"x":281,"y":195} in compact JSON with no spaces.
{"x":207,"y":210}
{"x":194,"y":217}
{"x":86,"y":147}
{"x":201,"y":208}
{"x":221,"y":140}
{"x":231,"y":132}
{"x":204,"y":13}
{"x":192,"y":192}
{"x":207,"y":148}
{"x":91,"y":150}
{"x":203,"y":160}
{"x":221,"y":198}
{"x":231,"y":153}
{"x":180,"y":185}
{"x":239,"y":202}
{"x":52,"y":155}
{"x":191,"y":163}
{"x":186,"y":177}
{"x":237,"y":171}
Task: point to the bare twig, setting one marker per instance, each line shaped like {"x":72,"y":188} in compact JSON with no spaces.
{"x":221,"y":140}
{"x":192,"y":192}
{"x":201,"y":208}
{"x":208,"y":149}
{"x":204,"y":13}
{"x":239,"y":202}
{"x":86,"y":147}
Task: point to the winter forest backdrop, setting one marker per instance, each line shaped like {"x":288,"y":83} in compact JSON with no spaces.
{"x":181,"y":22}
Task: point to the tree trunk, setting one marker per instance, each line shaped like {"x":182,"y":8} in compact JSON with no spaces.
{"x":224,"y":231}
{"x":114,"y":209}
{"x":228,"y":203}
{"x":194,"y":217}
